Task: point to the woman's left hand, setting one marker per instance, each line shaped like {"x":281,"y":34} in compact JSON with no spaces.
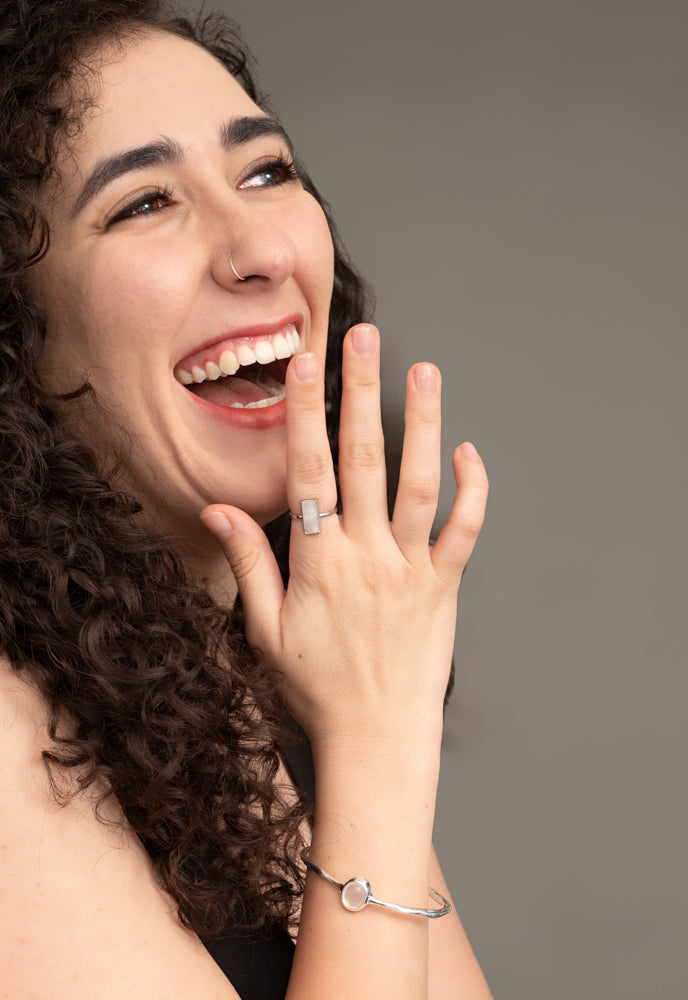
{"x":365,"y":629}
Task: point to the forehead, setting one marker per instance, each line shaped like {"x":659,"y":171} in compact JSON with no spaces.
{"x":158,"y":84}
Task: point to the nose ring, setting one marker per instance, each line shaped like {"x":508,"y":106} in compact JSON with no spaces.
{"x":231,"y":264}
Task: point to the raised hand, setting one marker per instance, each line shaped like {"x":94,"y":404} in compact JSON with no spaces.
{"x":363,"y":635}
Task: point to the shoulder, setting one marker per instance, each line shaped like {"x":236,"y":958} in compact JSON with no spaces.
{"x":24,"y":736}
{"x":80,"y":911}
{"x":34,"y":827}
{"x":23,"y":730}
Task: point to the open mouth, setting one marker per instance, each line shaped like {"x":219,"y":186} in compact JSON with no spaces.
{"x":246,"y":375}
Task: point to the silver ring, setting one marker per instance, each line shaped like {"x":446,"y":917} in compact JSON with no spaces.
{"x":231,"y":264}
{"x":310,"y":515}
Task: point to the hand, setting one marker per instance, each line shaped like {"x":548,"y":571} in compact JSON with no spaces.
{"x":363,"y":635}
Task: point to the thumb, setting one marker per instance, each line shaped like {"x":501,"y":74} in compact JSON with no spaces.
{"x":253,"y":565}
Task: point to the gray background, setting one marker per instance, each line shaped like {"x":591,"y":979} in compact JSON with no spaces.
{"x":512,"y":178}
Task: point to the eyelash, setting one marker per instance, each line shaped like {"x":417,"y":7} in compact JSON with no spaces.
{"x":137,"y":206}
{"x":271,"y":165}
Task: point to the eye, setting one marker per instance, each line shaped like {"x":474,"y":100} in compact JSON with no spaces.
{"x":145,"y":204}
{"x":271,"y":173}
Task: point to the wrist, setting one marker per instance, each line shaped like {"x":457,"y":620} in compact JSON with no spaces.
{"x":369,"y":805}
{"x":357,"y":893}
{"x":415,"y":745}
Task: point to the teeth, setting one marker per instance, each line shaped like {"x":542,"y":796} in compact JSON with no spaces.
{"x":282,"y":345}
{"x":245,"y":355}
{"x":264,"y":352}
{"x":258,"y":404}
{"x":271,"y":385}
{"x":229,"y":363}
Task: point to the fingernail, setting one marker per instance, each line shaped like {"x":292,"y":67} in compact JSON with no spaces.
{"x":469,"y":450}
{"x":426,"y":377}
{"x":307,"y":367}
{"x":217,"y":524}
{"x":364,"y":339}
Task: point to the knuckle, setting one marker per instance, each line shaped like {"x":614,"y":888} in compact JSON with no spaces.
{"x":367,"y":381}
{"x":422,"y":492}
{"x":471,"y":524}
{"x":373,"y":575}
{"x":428,"y":417}
{"x":377,"y":577}
{"x":362,"y":455}
{"x":310,"y":406}
{"x":481,"y":488}
{"x":244,"y":563}
{"x":480,"y":492}
{"x":311,"y":469}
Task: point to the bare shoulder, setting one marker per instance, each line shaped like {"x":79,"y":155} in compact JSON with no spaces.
{"x":80,"y":912}
{"x":23,"y":735}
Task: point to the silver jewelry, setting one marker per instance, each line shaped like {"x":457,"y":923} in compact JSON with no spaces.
{"x":231,"y":264}
{"x":356,"y":893}
{"x":310,"y":515}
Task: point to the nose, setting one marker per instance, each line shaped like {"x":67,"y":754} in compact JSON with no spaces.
{"x":251,"y":249}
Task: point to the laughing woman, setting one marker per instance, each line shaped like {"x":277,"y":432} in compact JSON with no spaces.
{"x":184,"y":571}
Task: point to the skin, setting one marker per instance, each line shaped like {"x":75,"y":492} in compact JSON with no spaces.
{"x":362,"y":637}
{"x":124,"y":302}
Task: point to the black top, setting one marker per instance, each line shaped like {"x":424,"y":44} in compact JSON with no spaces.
{"x":258,"y":965}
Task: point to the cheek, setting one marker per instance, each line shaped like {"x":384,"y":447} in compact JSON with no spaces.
{"x":135,"y":295}
{"x":112,"y":309}
{"x":67,"y":350}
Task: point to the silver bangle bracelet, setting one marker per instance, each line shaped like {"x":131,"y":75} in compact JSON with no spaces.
{"x":356,"y":893}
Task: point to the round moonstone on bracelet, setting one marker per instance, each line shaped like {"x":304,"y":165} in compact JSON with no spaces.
{"x":357,"y":893}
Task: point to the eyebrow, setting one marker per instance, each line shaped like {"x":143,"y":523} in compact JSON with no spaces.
{"x":238,"y":131}
{"x":233,"y":133}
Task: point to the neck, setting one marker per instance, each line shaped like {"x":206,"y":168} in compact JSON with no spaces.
{"x":202,"y":555}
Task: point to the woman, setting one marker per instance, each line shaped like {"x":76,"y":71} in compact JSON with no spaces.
{"x":171,"y":300}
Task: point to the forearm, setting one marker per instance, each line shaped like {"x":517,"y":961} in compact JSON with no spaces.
{"x":362,"y":640}
{"x":453,"y":970}
{"x":360,"y":829}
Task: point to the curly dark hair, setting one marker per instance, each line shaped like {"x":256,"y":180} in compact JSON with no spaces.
{"x":170,"y":709}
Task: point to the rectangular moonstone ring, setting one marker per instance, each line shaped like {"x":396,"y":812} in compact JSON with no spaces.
{"x":310,"y":515}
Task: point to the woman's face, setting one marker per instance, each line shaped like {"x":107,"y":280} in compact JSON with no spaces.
{"x":175,"y":176}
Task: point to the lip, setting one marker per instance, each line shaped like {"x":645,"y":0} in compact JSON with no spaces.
{"x":242,"y":418}
{"x":246,"y":335}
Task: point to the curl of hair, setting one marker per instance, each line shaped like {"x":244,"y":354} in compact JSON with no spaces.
{"x":169,"y":708}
